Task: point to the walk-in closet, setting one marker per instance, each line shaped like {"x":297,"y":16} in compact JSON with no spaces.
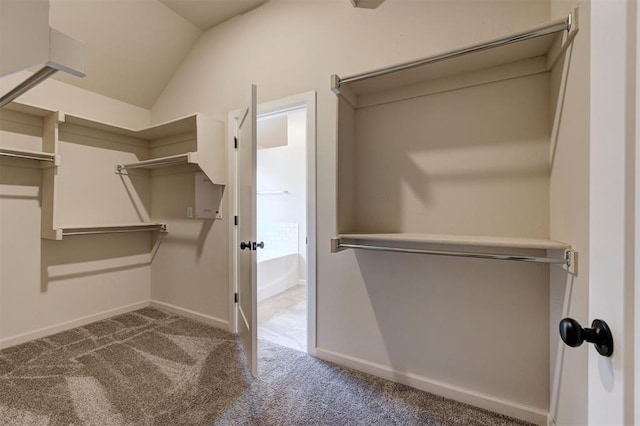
{"x":439,"y":199}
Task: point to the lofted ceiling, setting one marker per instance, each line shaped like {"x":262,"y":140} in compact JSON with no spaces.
{"x":134,"y":47}
{"x":206,"y":14}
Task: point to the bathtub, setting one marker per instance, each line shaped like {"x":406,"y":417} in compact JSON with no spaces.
{"x":277,"y":271}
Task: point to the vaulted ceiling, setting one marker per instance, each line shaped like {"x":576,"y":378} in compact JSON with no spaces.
{"x":134,"y":47}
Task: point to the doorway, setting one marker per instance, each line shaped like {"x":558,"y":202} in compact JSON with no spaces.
{"x":275,"y":194}
{"x":281,"y":203}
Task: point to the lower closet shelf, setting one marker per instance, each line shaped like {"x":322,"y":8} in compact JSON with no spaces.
{"x":112,"y":229}
{"x":393,"y":242}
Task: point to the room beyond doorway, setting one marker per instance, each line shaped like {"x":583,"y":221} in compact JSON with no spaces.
{"x":281,"y":201}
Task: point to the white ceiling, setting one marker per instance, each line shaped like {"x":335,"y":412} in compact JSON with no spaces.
{"x":135,"y":46}
{"x":205,"y":14}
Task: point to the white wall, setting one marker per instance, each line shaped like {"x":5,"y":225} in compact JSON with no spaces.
{"x":190,"y":269}
{"x":284,"y":168}
{"x":48,"y":286}
{"x":53,"y":95}
{"x":392,"y":329}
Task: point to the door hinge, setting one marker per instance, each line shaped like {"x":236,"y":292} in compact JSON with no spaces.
{"x":235,"y":142}
{"x":235,"y":220}
{"x":235,"y":297}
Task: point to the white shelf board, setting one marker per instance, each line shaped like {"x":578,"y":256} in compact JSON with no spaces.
{"x":461,"y":65}
{"x":518,"y":47}
{"x":28,"y":109}
{"x":166,"y":129}
{"x":461,"y":240}
{"x":161,"y":130}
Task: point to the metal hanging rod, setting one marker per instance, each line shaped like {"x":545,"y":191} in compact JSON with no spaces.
{"x":34,"y":79}
{"x":567,"y":260}
{"x":158,"y":162}
{"x":554,"y":27}
{"x":114,"y":230}
{"x":27,"y":156}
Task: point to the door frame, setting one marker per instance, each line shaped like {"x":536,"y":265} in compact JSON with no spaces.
{"x":636,"y":147}
{"x":613,"y":214}
{"x":307,"y":100}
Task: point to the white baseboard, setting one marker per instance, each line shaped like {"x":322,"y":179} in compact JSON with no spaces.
{"x":207,"y":319}
{"x":68,"y":325}
{"x":477,"y":399}
{"x":271,"y":289}
{"x":302,"y":282}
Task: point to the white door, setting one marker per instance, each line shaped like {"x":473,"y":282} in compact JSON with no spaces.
{"x":246,"y":229}
{"x":612,"y":213}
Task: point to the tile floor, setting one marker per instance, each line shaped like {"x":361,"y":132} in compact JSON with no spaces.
{"x":282,"y":319}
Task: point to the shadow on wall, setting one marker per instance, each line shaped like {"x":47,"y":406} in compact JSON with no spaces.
{"x":459,"y":321}
{"x":173,"y":196}
{"x":95,"y":255}
{"x":435,"y":167}
{"x":21,"y":182}
{"x":103,"y":256}
{"x":135,"y":185}
{"x":179,"y":234}
{"x":368,"y":4}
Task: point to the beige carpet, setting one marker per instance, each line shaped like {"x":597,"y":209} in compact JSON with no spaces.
{"x":153,"y":368}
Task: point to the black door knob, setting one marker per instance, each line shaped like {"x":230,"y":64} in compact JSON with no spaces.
{"x":244,"y":245}
{"x":258,"y":245}
{"x":599,"y":334}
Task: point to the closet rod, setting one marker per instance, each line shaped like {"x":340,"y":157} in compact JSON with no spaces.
{"x":108,"y":230}
{"x":566,"y":260}
{"x":554,"y":27}
{"x":26,"y":156}
{"x":165,"y":161}
{"x":34,"y":79}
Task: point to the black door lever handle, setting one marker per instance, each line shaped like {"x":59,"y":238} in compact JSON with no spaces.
{"x":244,"y":245}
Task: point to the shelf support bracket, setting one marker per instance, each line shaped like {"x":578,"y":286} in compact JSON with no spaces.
{"x":335,"y":245}
{"x":571,"y":261}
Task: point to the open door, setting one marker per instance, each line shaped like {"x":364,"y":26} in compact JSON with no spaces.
{"x":246,"y":230}
{"x":613,"y":214}
{"x":612,"y":265}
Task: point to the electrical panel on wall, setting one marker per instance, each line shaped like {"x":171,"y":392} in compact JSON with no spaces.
{"x":207,"y":199}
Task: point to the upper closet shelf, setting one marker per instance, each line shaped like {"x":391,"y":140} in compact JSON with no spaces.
{"x":194,"y":139}
{"x":69,"y":143}
{"x":526,"y":52}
